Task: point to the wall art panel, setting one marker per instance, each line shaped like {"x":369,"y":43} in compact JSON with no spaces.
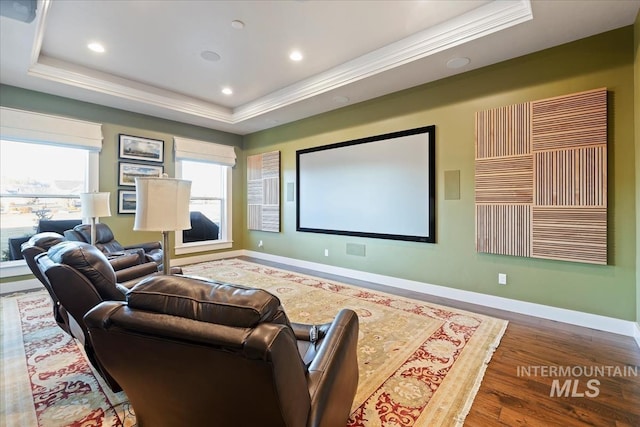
{"x":263,"y":192}
{"x":504,"y":229}
{"x":541,"y":178}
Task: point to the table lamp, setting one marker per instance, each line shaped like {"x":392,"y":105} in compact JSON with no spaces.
{"x":162,"y":204}
{"x":94,"y":205}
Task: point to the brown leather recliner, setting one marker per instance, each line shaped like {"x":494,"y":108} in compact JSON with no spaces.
{"x":127,"y":268}
{"x":193,"y":352}
{"x":106,"y":242}
{"x":36,"y":245}
{"x":80,"y":277}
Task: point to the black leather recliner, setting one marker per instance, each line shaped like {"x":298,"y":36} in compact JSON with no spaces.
{"x":106,"y":242}
{"x":189,"y":351}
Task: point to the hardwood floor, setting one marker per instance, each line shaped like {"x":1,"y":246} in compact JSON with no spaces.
{"x":506,"y":398}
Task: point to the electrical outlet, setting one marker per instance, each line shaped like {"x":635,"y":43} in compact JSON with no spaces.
{"x":502,"y":279}
{"x":326,"y":252}
{"x":260,"y":244}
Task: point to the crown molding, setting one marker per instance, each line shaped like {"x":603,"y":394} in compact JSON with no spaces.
{"x":84,"y":78}
{"x":477,"y":23}
{"x":485,"y":20}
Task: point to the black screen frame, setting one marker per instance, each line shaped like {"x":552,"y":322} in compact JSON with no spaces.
{"x":431,"y":197}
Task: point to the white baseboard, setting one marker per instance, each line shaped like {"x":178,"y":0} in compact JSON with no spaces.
{"x":587,"y":320}
{"x":20,"y":286}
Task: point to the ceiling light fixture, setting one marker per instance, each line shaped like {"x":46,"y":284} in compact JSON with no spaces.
{"x":227,"y":91}
{"x":296,"y":55}
{"x":209,"y":55}
{"x":458,"y":62}
{"x":238,"y":25}
{"x":96,"y":47}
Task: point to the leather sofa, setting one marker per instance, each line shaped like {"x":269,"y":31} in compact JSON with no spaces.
{"x":106,"y":242}
{"x":189,"y":351}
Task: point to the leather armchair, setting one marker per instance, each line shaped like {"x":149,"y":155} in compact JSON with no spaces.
{"x":106,"y":242}
{"x":80,"y":277}
{"x":36,"y":245}
{"x":188,"y":351}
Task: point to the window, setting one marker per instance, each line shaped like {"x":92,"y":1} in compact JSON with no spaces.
{"x":208,"y":167}
{"x":45,"y":163}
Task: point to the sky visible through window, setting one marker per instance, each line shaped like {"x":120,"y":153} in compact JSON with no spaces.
{"x":205,"y":178}
{"x":28,"y":174}
{"x":50,"y":169}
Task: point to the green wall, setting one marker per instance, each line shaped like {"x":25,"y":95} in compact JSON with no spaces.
{"x":116,"y":121}
{"x":605,"y":60}
{"x":636,"y":120}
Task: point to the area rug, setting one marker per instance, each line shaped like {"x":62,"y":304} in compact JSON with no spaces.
{"x":420,"y":364}
{"x":46,"y":379}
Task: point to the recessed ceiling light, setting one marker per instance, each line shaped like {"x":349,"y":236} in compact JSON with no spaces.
{"x":296,"y":55}
{"x":238,"y":25}
{"x":96,"y":47}
{"x":227,"y":91}
{"x":209,"y":55}
{"x":458,"y":62}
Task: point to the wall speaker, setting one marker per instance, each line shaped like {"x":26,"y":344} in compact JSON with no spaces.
{"x":452,"y":185}
{"x":290,"y":192}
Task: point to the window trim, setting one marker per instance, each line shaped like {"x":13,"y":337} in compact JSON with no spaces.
{"x":37,"y":128}
{"x":226,"y":240}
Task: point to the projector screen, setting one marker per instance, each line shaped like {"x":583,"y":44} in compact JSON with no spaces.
{"x":382,"y":187}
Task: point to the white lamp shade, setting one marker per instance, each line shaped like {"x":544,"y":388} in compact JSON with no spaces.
{"x":162,"y":204}
{"x":95,"y":205}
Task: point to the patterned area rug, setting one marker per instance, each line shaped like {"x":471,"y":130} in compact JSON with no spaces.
{"x":47,"y":380}
{"x":420,"y":364}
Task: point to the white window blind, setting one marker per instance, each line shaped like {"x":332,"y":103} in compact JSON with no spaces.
{"x":27,"y":126}
{"x":190,"y":149}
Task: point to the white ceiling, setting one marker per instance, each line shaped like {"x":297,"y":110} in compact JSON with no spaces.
{"x":353,"y":51}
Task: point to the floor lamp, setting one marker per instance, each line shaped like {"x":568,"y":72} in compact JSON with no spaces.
{"x":162,"y":204}
{"x":93,"y":206}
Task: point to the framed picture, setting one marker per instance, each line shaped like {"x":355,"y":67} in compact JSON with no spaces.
{"x":126,"y":202}
{"x":129,"y":171}
{"x":137,"y":148}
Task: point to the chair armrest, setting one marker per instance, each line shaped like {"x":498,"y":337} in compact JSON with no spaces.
{"x":135,"y":272}
{"x":302,"y":331}
{"x":148,"y":246}
{"x":123,"y":261}
{"x":333,"y":373}
{"x":154,"y":255}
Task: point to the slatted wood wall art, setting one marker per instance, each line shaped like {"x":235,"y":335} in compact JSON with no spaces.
{"x":541,"y":178}
{"x":263,"y":192}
